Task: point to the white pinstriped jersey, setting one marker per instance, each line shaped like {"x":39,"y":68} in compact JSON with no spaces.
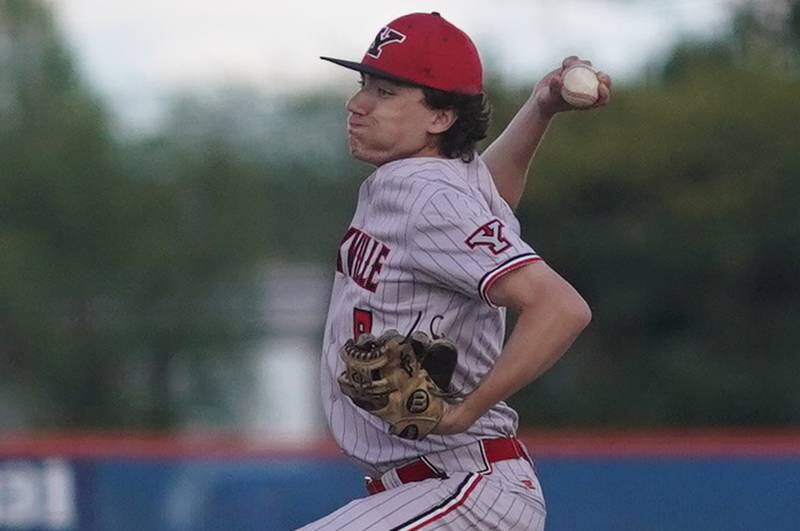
{"x":428,"y":235}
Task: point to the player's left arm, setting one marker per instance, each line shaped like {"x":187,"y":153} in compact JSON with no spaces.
{"x":509,"y":157}
{"x":551,"y":316}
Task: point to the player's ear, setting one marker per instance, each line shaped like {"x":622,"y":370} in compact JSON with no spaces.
{"x":441,"y":120}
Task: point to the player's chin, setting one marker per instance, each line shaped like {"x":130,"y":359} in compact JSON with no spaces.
{"x":355,"y":149}
{"x":354,"y":144}
{"x":358,"y":151}
{"x":365,"y":157}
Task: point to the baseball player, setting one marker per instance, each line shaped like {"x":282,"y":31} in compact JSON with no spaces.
{"x":414,"y":367}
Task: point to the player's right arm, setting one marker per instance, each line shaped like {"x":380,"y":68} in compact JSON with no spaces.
{"x":509,"y":157}
{"x":454,"y":242}
{"x":551,"y":316}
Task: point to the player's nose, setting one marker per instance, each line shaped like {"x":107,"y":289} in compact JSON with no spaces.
{"x":358,"y":103}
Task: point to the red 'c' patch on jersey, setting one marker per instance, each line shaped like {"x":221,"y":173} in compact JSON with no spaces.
{"x":489,"y":235}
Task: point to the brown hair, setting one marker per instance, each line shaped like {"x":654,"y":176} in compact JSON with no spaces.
{"x":473,"y":113}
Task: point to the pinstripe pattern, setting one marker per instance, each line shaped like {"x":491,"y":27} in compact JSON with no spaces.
{"x":446,"y":235}
{"x":442,"y":510}
{"x":463,"y":501}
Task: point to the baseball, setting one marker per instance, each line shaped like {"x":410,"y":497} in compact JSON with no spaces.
{"x":579,"y":85}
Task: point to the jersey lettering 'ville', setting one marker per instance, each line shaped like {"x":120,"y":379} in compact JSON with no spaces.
{"x":363,"y":256}
{"x":428,"y":235}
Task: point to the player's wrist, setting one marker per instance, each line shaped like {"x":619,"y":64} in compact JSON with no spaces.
{"x":539,"y":113}
{"x":472,"y":408}
{"x":536,"y":109}
{"x":456,"y":419}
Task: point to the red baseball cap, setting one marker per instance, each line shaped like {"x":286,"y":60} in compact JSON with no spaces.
{"x":423,"y":49}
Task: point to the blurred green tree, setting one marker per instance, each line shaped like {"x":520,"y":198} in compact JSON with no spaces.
{"x":674,"y":211}
{"x":110,"y":275}
{"x":60,"y":190}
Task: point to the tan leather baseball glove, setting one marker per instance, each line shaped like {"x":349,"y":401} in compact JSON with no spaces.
{"x":402,"y":380}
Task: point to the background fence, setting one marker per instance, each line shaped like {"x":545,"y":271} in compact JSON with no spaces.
{"x":697,"y":480}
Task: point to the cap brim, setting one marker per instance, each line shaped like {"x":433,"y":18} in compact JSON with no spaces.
{"x":371,"y":70}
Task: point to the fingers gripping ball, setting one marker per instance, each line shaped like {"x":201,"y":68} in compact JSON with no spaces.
{"x":386,"y":377}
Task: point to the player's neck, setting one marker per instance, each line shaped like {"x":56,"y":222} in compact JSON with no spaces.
{"x":425,"y":152}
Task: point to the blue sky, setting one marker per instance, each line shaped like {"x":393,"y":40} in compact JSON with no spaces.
{"x":137,"y":53}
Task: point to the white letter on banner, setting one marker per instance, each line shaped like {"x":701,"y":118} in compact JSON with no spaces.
{"x":21,"y":493}
{"x":59,"y":490}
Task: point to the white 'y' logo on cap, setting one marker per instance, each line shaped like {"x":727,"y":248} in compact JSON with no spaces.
{"x":385,"y":36}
